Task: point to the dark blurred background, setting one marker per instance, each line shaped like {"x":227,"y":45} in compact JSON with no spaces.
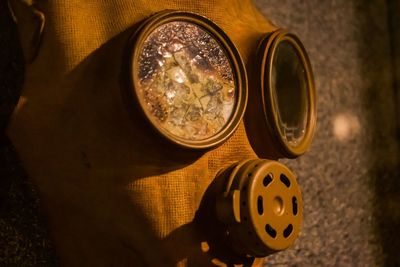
{"x":350,"y":178}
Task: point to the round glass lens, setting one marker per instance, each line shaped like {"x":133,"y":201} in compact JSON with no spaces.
{"x":290,"y":91}
{"x":186,"y":81}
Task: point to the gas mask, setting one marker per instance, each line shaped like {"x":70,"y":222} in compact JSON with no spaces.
{"x":152,"y":130}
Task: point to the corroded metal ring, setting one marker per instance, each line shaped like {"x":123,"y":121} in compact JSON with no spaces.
{"x":188,"y":79}
{"x":284,"y":96}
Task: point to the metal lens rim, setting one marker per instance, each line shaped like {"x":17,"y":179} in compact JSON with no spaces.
{"x":239,"y":72}
{"x":268,"y":47}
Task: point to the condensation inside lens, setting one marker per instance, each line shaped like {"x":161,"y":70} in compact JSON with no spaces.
{"x":290,"y":90}
{"x":186,"y":81}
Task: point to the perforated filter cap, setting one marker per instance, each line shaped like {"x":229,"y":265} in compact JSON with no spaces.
{"x":261,"y":206}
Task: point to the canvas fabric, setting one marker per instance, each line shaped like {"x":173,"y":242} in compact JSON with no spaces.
{"x":114,"y":195}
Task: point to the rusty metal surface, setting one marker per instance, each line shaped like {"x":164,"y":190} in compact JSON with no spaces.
{"x":186,"y":81}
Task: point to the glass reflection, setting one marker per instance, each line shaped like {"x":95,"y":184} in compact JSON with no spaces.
{"x":290,"y":92}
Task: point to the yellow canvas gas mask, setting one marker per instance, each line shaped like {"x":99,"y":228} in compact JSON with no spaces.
{"x":151,"y":130}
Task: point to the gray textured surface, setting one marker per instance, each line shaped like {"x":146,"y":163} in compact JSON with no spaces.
{"x":350,"y":178}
